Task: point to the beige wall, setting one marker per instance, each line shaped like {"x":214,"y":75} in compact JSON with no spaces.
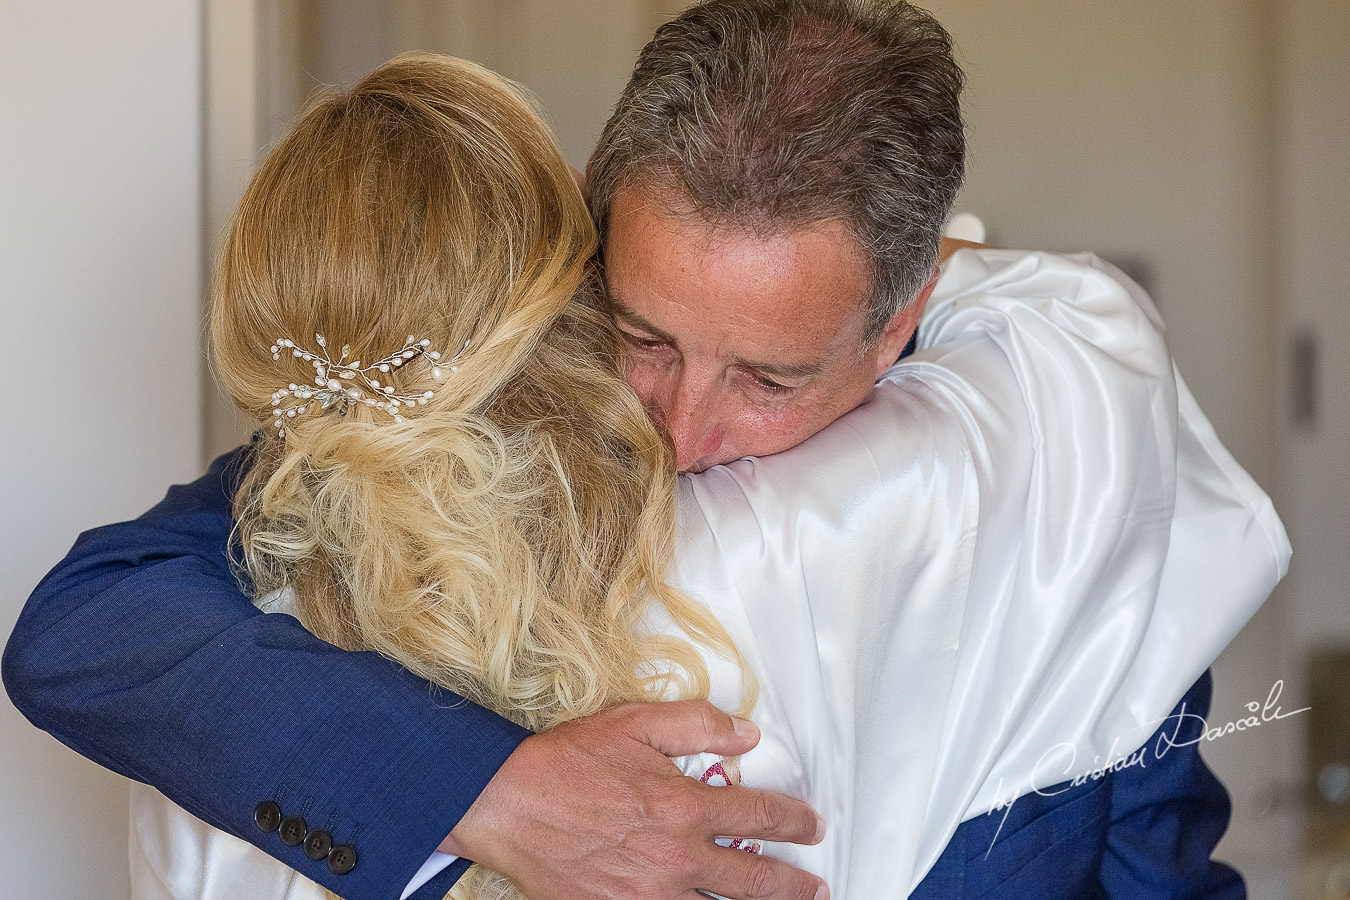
{"x":574,"y":57}
{"x":236,"y":100}
{"x":99,"y":302}
{"x":1313,"y":139}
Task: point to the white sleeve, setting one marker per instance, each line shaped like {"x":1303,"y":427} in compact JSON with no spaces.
{"x":989,"y":558}
{"x":435,"y":865}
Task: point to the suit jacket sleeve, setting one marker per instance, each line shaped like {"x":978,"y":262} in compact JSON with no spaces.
{"x":1167,"y":816}
{"x":141,"y":652}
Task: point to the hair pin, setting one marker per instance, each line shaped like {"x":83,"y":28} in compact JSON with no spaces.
{"x":339,"y":384}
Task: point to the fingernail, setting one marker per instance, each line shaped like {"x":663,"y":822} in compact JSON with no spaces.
{"x":823,"y":892}
{"x":745,"y":728}
{"x":820,"y":836}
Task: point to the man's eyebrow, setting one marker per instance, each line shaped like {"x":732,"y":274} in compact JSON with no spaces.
{"x":783,"y":370}
{"x":621,"y":310}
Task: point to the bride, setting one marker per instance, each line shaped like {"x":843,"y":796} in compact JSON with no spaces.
{"x":914,"y":606}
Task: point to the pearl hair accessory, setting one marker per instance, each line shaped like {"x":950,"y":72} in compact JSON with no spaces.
{"x":340,"y":384}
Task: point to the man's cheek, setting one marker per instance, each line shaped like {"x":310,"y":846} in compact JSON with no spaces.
{"x":762,"y":432}
{"x":653,"y":402}
{"x":642,"y":379}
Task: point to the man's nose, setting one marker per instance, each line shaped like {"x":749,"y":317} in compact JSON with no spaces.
{"x":690,"y":418}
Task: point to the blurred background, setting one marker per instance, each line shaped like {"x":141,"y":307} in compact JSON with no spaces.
{"x":1202,"y":146}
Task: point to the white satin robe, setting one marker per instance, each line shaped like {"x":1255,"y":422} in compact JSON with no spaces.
{"x":999,"y":573}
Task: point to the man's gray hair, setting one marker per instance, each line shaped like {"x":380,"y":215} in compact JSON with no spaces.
{"x":777,"y":114}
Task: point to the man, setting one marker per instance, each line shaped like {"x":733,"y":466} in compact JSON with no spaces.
{"x":770,"y":190}
{"x":769,"y":193}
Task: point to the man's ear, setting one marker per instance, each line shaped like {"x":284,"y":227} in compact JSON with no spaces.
{"x":580,"y":178}
{"x":897,"y":332}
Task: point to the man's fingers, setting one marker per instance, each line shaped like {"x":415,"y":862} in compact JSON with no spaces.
{"x":761,"y":815}
{"x":749,"y":876}
{"x":644,"y":830}
{"x":686,"y":727}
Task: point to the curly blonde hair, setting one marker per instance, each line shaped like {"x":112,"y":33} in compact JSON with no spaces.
{"x":506,"y":539}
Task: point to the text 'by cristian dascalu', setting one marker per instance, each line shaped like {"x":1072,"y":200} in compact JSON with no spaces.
{"x":1182,"y":728}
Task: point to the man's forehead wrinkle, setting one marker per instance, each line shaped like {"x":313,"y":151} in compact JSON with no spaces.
{"x":746,"y":242}
{"x":707,"y":229}
{"x":707,"y":226}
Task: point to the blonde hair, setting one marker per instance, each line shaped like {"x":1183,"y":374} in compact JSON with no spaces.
{"x":506,"y":539}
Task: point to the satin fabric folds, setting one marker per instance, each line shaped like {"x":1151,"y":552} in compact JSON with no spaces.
{"x":999,"y":573}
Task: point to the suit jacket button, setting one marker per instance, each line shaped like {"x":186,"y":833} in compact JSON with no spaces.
{"x":267,"y":816}
{"x":293,"y":831}
{"x":317,"y":844}
{"x":341,"y":859}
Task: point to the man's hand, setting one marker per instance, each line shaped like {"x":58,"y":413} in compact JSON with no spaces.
{"x":594,"y":809}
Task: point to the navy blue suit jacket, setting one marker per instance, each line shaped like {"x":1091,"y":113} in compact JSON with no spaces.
{"x":1146,"y":831}
{"x":140,"y":651}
